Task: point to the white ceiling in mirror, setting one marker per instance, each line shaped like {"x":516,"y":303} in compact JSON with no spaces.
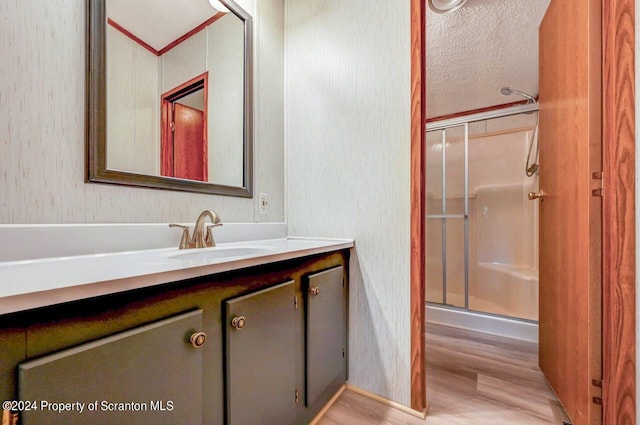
{"x":168,"y":21}
{"x":476,"y":50}
{"x":218,"y":6}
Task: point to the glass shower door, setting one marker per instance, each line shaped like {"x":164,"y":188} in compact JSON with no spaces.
{"x":481,"y":230}
{"x":447,"y":216}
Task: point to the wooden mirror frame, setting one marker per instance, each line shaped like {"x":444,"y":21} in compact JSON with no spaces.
{"x":96,"y":114}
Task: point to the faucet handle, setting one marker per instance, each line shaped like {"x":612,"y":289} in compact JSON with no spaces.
{"x":208,"y":240}
{"x":184,"y":241}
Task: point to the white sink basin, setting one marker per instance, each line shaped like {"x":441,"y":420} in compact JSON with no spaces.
{"x":220,"y":252}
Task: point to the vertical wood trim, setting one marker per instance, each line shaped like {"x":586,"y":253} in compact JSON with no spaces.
{"x":205,"y":136}
{"x":619,"y":278}
{"x":418,"y":116}
{"x":166,"y":139}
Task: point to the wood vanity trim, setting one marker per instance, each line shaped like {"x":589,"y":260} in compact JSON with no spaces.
{"x":415,"y":413}
{"x":618,"y":248}
{"x":418,"y":175}
{"x":327,"y":406}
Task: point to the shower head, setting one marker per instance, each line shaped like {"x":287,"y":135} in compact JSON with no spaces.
{"x":507,"y":91}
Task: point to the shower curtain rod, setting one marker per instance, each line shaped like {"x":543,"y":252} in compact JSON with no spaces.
{"x":498,"y":113}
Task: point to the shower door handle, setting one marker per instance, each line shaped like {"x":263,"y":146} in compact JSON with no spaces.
{"x":536,"y":195}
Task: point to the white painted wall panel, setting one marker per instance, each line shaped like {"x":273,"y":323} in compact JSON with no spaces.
{"x":132,"y":106}
{"x":348,"y":155}
{"x":269,"y":101}
{"x":120,"y":100}
{"x":184,"y":62}
{"x":225,"y":59}
{"x":42,"y":132}
{"x":146,"y":144}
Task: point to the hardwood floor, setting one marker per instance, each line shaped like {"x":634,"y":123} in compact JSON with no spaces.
{"x":472,"y":379}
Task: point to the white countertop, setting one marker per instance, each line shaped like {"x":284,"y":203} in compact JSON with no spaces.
{"x":37,"y":283}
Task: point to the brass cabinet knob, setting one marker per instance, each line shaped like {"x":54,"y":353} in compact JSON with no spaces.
{"x":238,"y":322}
{"x":536,"y":195}
{"x":314,"y":291}
{"x":198,"y":339}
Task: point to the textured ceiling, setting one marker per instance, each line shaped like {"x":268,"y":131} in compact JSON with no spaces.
{"x":479,"y":48}
{"x":159,"y":22}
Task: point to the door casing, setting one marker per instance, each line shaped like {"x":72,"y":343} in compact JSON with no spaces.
{"x":618,"y":226}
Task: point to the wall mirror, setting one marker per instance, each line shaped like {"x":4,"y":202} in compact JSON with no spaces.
{"x":169,"y":95}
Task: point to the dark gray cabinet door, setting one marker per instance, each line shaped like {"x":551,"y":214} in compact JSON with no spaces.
{"x":260,"y":357}
{"x":326,"y":331}
{"x":148,"y":375}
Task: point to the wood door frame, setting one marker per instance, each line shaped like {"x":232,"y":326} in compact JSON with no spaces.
{"x":618,"y":212}
{"x":418,"y":224}
{"x":618,"y":272}
{"x":166,"y":135}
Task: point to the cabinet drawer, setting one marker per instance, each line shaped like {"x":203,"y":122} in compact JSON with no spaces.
{"x":325,"y":331}
{"x":147,"y":375}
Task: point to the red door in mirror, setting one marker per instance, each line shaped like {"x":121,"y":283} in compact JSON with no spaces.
{"x":184,"y":152}
{"x":189,"y":148}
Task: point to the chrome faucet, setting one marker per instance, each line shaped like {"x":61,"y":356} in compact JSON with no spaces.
{"x":198,"y":239}
{"x":202,"y":236}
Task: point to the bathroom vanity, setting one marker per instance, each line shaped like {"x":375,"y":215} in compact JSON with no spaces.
{"x":244,"y":339}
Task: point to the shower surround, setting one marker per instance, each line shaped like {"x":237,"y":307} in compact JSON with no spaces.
{"x":490,"y":264}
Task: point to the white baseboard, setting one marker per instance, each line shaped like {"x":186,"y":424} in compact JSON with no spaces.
{"x":494,"y":325}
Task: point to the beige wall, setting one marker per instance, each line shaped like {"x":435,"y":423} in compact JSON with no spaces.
{"x":42,"y":136}
{"x":224,"y":62}
{"x":133,"y":106}
{"x":348,"y":144}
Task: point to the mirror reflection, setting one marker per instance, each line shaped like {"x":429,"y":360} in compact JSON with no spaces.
{"x":183,"y":138}
{"x":175,"y":90}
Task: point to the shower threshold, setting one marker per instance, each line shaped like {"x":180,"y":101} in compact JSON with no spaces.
{"x":493,"y":324}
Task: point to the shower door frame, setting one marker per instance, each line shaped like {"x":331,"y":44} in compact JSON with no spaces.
{"x":444,"y":125}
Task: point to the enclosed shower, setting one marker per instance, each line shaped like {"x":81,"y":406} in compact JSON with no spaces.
{"x":482,"y":230}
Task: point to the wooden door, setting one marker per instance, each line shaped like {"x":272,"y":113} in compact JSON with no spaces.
{"x":189,"y":153}
{"x":570,"y":216}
